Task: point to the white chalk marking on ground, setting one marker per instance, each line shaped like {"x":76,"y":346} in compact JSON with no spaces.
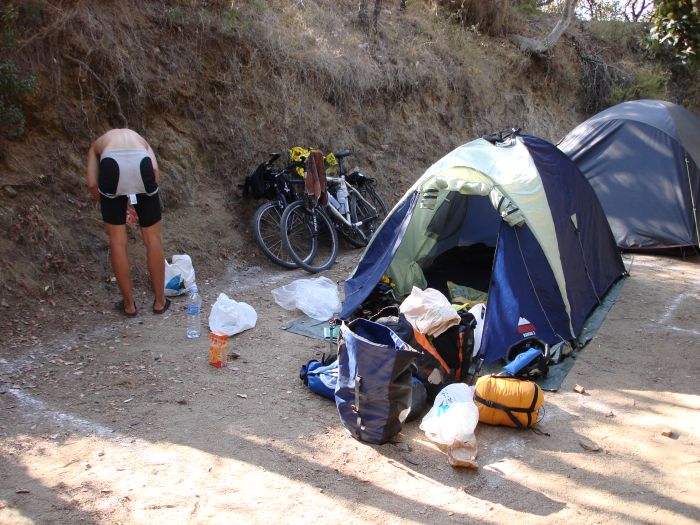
{"x":671,"y":309}
{"x":684,"y":330}
{"x":20,"y":364}
{"x":32,"y":406}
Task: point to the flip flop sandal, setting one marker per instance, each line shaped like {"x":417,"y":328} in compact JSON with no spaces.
{"x":162,"y":310}
{"x":119,"y":306}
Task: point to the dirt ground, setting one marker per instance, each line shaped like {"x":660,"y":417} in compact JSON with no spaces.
{"x":125,"y":422}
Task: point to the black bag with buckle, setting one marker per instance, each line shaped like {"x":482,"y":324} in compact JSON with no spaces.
{"x":260,"y":183}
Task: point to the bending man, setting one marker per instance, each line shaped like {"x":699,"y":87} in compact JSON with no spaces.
{"x":122,"y":167}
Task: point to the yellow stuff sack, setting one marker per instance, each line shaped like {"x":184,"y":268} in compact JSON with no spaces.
{"x":508,"y":401}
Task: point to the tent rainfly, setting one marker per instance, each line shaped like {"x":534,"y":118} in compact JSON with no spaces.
{"x":516,"y":219}
{"x":642,"y":159}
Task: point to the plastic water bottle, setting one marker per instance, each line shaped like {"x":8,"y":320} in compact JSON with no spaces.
{"x":342,"y":196}
{"x":194,"y":309}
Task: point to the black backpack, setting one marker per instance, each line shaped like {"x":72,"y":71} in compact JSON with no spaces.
{"x":260,"y":183}
{"x":450,"y":353}
{"x":456,"y":345}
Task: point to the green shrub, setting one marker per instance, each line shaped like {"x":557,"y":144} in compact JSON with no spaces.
{"x":648,"y":81}
{"x":493,"y":18}
{"x":12,"y":85}
{"x":619,"y":35}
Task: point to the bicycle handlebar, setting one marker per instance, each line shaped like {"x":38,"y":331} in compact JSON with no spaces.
{"x":342,"y":154}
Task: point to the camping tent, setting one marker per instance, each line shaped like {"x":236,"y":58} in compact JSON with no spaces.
{"x":642,"y":159}
{"x":546,"y":257}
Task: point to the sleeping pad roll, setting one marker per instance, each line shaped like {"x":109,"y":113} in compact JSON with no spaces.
{"x":508,"y":401}
{"x":373,"y":393}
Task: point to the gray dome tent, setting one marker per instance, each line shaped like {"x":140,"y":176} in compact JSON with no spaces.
{"x":642,"y":159}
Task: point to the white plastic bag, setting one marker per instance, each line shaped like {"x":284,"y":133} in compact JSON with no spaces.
{"x":429,"y":311}
{"x":318,"y":298}
{"x":179,"y":275}
{"x":231,"y":317}
{"x":453,"y":417}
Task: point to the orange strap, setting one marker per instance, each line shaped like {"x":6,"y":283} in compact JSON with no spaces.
{"x":422,"y":340}
{"x":458,"y":375}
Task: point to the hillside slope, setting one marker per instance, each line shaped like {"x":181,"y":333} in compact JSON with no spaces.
{"x":214,"y":87}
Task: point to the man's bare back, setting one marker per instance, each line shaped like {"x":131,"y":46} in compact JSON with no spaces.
{"x":115,"y":139}
{"x":119,"y":139}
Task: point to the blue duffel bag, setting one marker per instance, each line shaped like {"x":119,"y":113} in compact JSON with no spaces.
{"x":373,"y":393}
{"x":320,"y":377}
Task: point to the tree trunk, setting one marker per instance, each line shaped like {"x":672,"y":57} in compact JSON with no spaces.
{"x":542,"y":47}
{"x":362,"y":14}
{"x":375,"y":15}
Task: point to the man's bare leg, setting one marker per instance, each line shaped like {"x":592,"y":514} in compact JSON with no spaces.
{"x":118,"y":243}
{"x":156,"y":263}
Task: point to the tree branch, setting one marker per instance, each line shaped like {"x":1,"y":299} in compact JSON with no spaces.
{"x":542,"y":47}
{"x":109,"y":90}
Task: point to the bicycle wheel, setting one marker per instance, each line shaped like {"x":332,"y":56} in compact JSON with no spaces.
{"x":369,"y":193}
{"x":309,"y":236}
{"x":358,"y":236}
{"x":266,"y":226}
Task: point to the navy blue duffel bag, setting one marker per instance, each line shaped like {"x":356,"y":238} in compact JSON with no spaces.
{"x":373,"y":393}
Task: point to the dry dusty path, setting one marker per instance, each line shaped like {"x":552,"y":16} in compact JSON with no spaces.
{"x":127,"y":423}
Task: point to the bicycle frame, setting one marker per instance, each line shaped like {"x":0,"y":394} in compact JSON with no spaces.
{"x":285,"y":193}
{"x":334,"y":205}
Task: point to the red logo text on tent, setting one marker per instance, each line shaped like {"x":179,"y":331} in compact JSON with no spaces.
{"x":525,"y":327}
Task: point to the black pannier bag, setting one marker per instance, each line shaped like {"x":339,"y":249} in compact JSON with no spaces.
{"x":373,"y":394}
{"x":456,"y":344}
{"x":260,"y":183}
{"x":450,"y":353}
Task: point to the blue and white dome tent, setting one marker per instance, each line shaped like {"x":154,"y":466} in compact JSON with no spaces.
{"x":516,"y":219}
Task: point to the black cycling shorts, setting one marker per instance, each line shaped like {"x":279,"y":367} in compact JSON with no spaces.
{"x":147,"y":207}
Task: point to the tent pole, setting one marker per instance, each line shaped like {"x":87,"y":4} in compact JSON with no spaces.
{"x":692,"y":200}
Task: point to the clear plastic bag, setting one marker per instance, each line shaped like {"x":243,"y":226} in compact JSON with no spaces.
{"x":451,"y":423}
{"x":318,"y":298}
{"x":231,"y":317}
{"x":453,"y":417}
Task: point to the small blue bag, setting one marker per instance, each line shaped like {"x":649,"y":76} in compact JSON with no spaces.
{"x":320,"y":377}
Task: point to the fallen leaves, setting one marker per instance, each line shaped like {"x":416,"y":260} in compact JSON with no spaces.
{"x":590,"y":446}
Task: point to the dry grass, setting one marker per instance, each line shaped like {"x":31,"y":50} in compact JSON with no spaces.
{"x":215,"y":86}
{"x":494,"y":17}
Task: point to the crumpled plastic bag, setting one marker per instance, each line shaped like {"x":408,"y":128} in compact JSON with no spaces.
{"x":429,"y":311}
{"x":231,"y":317}
{"x":179,"y":275}
{"x":451,"y":423}
{"x":318,"y":298}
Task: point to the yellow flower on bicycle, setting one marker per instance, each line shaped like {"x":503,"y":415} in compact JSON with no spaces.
{"x":299,"y":153}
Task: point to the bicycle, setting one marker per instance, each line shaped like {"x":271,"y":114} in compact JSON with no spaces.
{"x":308,"y":234}
{"x":348,"y":212}
{"x":275,"y":184}
{"x":354,"y":204}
